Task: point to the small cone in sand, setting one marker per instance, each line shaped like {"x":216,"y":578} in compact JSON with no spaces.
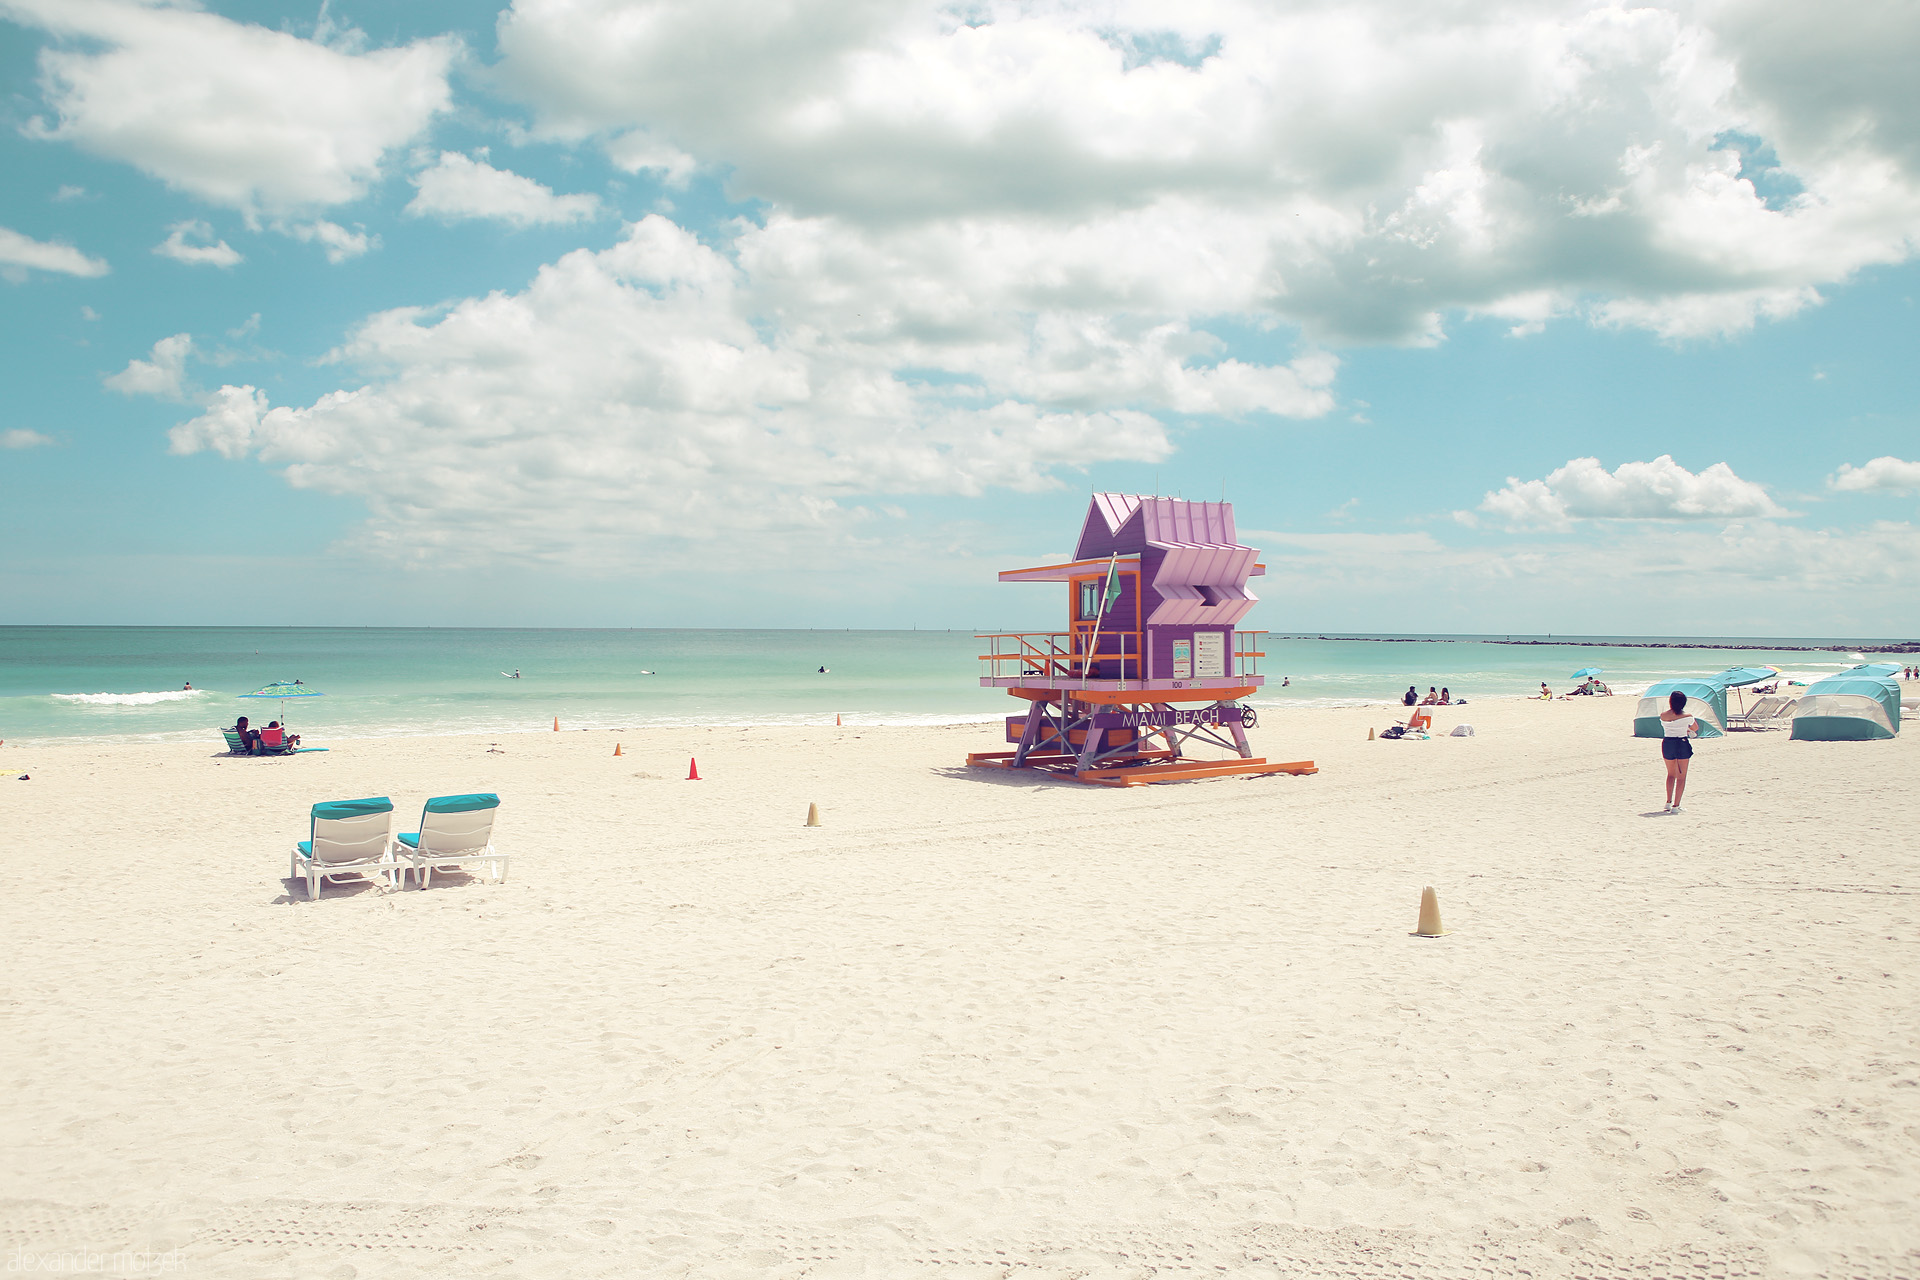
{"x":1429,"y":926}
{"x":836,"y":720}
{"x":616,"y":748}
{"x":813,"y":815}
{"x":693,"y":769}
{"x":556,"y":724}
{"x":1369,"y":735}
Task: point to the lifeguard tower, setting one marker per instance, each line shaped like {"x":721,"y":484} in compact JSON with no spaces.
{"x":1154,"y":590}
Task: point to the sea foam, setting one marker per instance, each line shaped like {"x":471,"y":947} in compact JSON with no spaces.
{"x":127,"y":699}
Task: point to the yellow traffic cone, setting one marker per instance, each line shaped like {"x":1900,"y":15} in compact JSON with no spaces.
{"x":813,"y":815}
{"x":1429,"y":926}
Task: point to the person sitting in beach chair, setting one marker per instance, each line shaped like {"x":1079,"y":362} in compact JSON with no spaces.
{"x":242,"y":739}
{"x":277,"y":741}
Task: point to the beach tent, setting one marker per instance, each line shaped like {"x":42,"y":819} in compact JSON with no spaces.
{"x":1854,"y":705}
{"x":1706,"y":702}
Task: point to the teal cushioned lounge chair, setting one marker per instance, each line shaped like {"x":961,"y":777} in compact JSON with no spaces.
{"x":348,"y":837}
{"x":453,"y":830}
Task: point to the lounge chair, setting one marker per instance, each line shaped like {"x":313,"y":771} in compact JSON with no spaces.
{"x":453,"y":830}
{"x":348,"y":837}
{"x":235,"y":747}
{"x":1771,"y":712}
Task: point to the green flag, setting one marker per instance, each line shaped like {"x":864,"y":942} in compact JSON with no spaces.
{"x":1113,"y":585}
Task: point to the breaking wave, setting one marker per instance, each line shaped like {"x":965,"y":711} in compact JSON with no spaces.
{"x":128,"y":699}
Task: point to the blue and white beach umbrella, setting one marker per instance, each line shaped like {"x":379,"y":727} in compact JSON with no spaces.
{"x":284,"y":689}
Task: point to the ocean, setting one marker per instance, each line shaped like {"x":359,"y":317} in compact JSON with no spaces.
{"x":125,"y":683}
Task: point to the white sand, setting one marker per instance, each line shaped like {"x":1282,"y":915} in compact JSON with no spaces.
{"x":977,"y":1024}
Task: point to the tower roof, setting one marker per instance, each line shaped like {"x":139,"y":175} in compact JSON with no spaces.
{"x":1129,"y":523}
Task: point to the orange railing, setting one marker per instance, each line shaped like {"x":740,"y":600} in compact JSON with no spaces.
{"x":1061,"y":655}
{"x":1245,"y":656}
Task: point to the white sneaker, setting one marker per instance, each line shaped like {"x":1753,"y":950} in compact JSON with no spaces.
{"x":1673,"y":808}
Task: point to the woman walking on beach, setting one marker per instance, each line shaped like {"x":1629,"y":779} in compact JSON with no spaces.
{"x":1676,"y":747}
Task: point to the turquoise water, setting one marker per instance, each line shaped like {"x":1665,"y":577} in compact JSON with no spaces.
{"x":124,"y":683}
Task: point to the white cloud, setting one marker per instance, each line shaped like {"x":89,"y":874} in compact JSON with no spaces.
{"x":1887,"y":475}
{"x":163,"y":376}
{"x":340,"y":244}
{"x":1625,"y":578}
{"x":638,"y":151}
{"x":228,"y":425}
{"x":67,"y":192}
{"x":1647,"y":166}
{"x":663,"y":388}
{"x":1658,"y":490}
{"x":238,"y":115}
{"x":199,"y":253}
{"x":21,"y":438}
{"x":20,"y":252}
{"x":456,"y":186}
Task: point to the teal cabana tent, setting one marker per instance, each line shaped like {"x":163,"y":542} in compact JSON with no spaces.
{"x":1706,"y":702}
{"x":1854,"y":705}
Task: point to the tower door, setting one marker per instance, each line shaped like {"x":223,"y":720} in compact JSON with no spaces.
{"x":1118,"y":630}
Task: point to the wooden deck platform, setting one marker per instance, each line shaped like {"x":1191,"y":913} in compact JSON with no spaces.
{"x":1154,"y":766}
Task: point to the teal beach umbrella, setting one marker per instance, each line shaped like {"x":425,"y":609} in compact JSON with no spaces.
{"x":283,"y":690}
{"x":1584,"y":672}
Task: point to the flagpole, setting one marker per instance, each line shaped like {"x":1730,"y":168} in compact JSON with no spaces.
{"x":1099,"y":620}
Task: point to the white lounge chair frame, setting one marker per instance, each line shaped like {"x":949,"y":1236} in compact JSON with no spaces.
{"x":348,"y":837}
{"x":453,"y":830}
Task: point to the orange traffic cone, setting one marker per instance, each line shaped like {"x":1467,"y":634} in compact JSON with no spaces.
{"x":813,"y":815}
{"x":836,"y":720}
{"x":556,"y":724}
{"x":693,"y":769}
{"x":1429,"y":926}
{"x":616,"y":748}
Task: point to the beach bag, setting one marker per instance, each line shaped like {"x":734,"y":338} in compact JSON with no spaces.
{"x":1463,"y":731}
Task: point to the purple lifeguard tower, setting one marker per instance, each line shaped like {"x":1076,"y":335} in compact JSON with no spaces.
{"x":1154,"y":590}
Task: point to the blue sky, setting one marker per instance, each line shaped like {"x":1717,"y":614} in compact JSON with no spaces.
{"x":615,"y":313}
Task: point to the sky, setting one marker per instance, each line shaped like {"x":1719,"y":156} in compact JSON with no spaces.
{"x":1487,"y":318}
